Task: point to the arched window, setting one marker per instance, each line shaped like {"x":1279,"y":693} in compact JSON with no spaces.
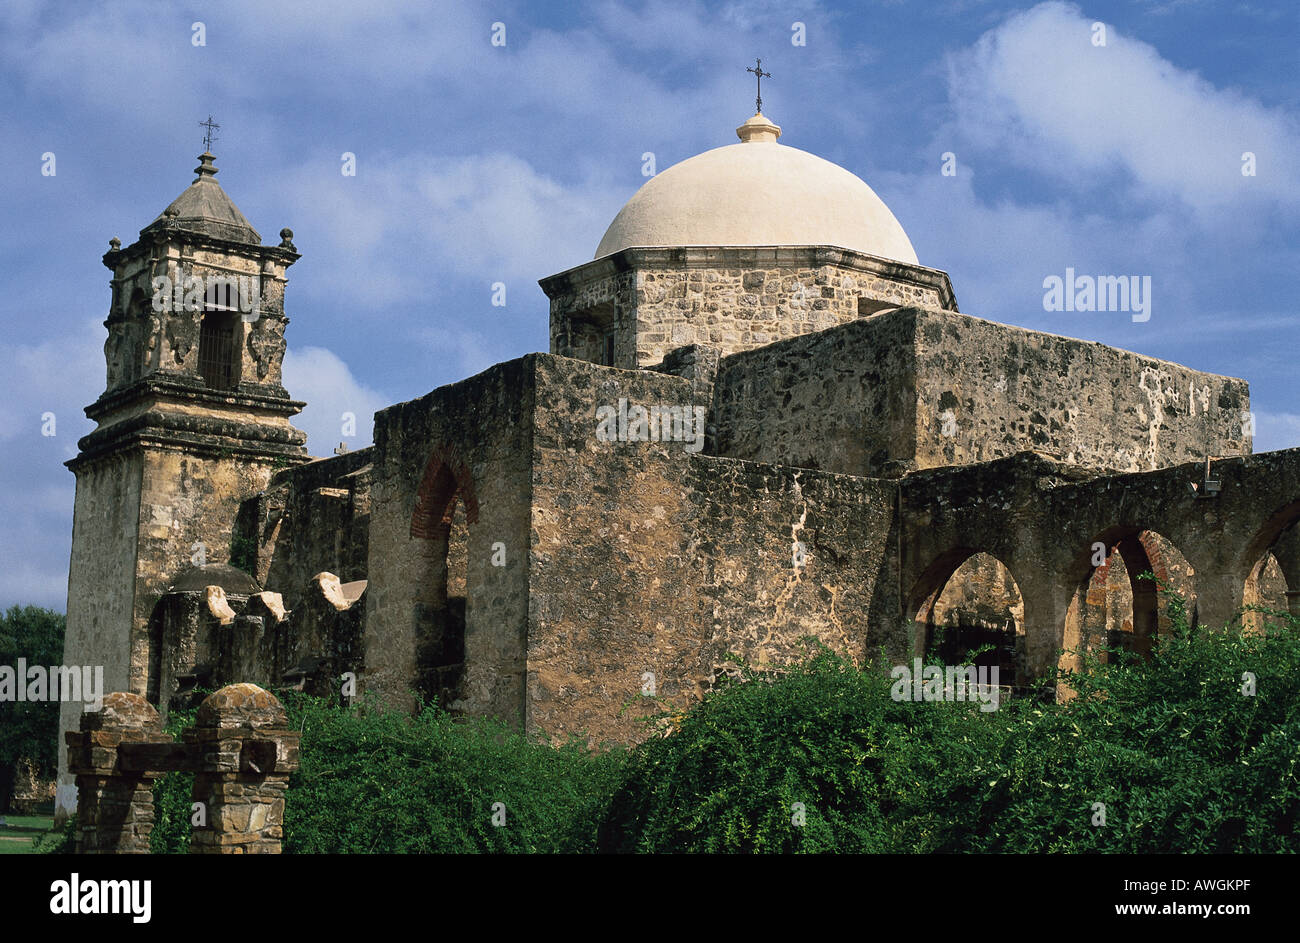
{"x":445,"y":512}
{"x":219,"y":338}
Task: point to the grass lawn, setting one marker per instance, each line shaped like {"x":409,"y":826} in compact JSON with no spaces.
{"x":17,"y":834}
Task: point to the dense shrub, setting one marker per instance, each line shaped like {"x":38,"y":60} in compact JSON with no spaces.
{"x":1182,"y":759}
{"x":59,"y":840}
{"x":374,"y":780}
{"x":173,"y":797}
{"x":823,"y":734}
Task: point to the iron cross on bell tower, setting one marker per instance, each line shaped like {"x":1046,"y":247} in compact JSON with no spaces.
{"x":759,"y":74}
{"x":209,"y":137}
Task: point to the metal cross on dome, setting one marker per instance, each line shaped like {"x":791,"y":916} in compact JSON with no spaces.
{"x":208,"y":136}
{"x":759,"y":74}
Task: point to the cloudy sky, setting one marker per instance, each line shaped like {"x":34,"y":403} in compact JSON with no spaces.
{"x":479,"y":163}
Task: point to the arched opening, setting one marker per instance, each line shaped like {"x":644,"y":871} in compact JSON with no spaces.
{"x":1115,"y":609}
{"x":591,"y":335}
{"x":969,"y":610}
{"x":1274,"y":579}
{"x":220,"y":334}
{"x":445,"y":509}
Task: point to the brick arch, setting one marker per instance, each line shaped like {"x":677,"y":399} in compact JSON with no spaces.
{"x":1137,"y":546}
{"x":445,"y":480}
{"x":1141,"y":551}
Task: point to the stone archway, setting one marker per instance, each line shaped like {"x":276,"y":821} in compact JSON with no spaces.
{"x":1113,"y":607}
{"x":1273,"y":581}
{"x":968,"y":600}
{"x":446,"y":507}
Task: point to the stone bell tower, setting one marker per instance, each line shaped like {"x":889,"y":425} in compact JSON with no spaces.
{"x":193,"y":419}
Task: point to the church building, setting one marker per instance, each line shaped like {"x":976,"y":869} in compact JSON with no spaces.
{"x":762,"y":420}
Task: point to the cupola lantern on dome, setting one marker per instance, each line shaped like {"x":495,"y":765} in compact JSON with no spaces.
{"x":758,"y":128}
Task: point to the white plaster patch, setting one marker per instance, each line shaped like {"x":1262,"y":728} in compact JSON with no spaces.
{"x":1155,"y":384}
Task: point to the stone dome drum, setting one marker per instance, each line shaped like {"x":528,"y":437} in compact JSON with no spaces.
{"x":758,"y":193}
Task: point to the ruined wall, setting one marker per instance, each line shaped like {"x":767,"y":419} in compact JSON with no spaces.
{"x":913,"y":388}
{"x":310,"y":519}
{"x":185,"y":500}
{"x":210,"y":637}
{"x":649,"y":564}
{"x":987,"y":390}
{"x":469,"y":442}
{"x":731,"y":298}
{"x":840,"y":401}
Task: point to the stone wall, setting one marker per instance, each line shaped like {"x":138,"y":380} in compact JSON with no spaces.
{"x":240,"y":750}
{"x":731,"y":298}
{"x":650,"y":563}
{"x":186,"y":500}
{"x":309,"y":519}
{"x":910,"y":389}
{"x":206,"y":638}
{"x":466,"y":444}
{"x":1006,"y":389}
{"x":839,"y":400}
{"x":101,"y":585}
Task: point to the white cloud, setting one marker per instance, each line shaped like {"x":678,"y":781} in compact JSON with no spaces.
{"x":1275,"y":431}
{"x":1038,"y":91}
{"x":488,"y":217}
{"x":60,"y":375}
{"x":322,"y":379}
{"x":463,"y":353}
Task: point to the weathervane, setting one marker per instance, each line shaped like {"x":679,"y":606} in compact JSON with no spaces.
{"x":760,"y":75}
{"x":208,"y":136}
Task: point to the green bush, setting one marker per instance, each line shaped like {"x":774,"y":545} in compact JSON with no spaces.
{"x":173,"y":797}
{"x":61,"y":840}
{"x":823,"y":734}
{"x":1181,"y":758}
{"x":375,"y":780}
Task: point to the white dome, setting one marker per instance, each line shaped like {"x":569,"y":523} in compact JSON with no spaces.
{"x":758,"y":193}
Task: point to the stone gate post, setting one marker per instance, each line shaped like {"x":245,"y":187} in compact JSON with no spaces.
{"x":114,"y":804}
{"x":243,"y":752}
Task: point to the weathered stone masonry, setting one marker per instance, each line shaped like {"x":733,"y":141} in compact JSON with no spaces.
{"x":876,"y":467}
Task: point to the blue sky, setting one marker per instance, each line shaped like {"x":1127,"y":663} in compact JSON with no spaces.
{"x":479,"y":164}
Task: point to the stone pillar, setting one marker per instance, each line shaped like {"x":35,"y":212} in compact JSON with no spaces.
{"x":115,"y":805}
{"x":243,"y":752}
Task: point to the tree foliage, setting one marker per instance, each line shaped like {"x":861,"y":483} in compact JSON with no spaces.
{"x":29,"y":731}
